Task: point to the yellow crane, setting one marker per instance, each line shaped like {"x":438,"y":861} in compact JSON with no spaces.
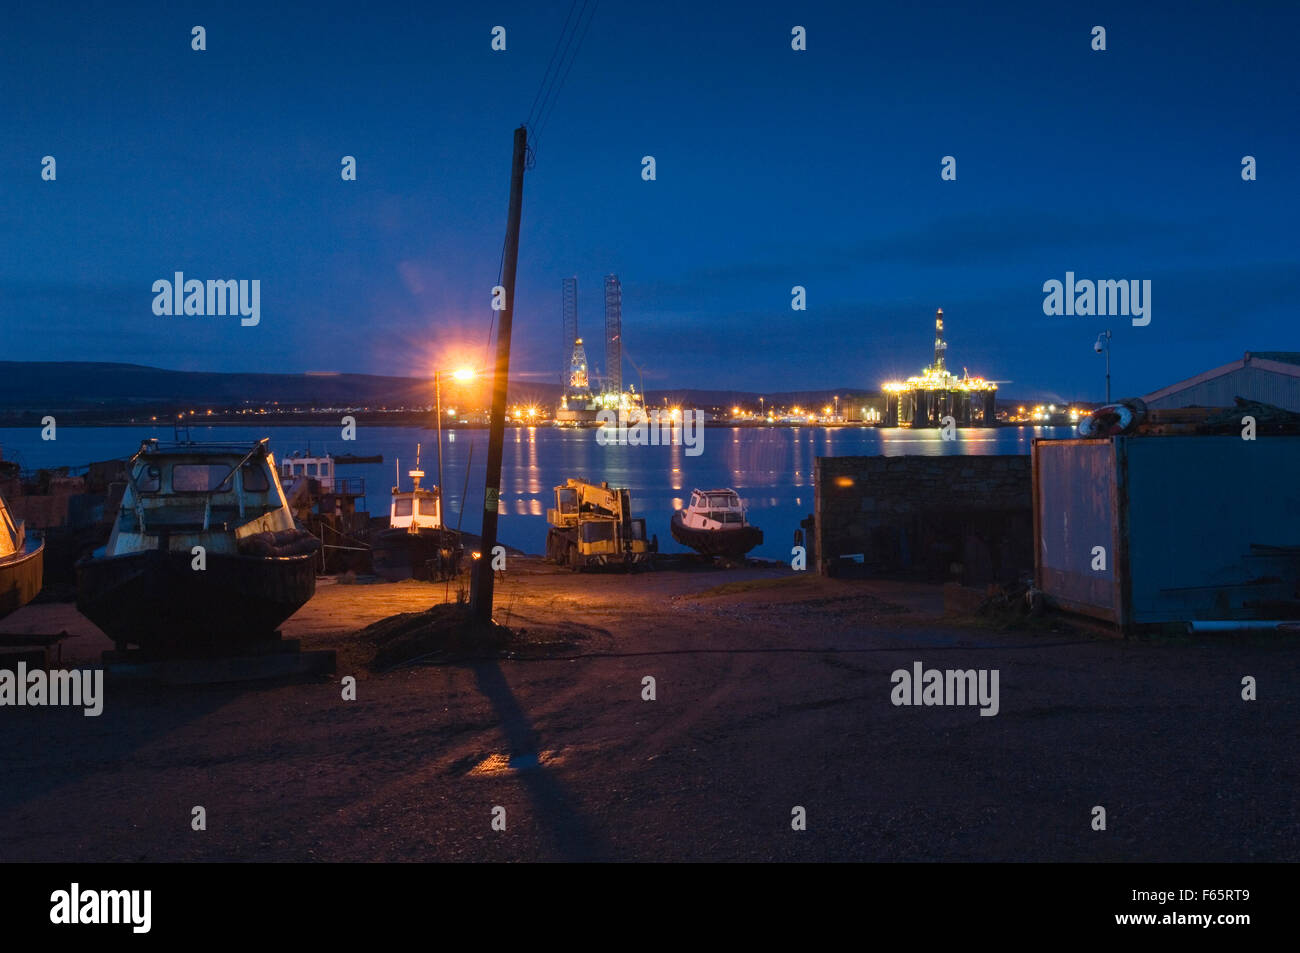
{"x":592,"y":525}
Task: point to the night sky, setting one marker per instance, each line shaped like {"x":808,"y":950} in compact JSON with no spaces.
{"x":819,"y":168}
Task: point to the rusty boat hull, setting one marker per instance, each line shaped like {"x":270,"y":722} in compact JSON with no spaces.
{"x":427,"y":555}
{"x":728,"y":542}
{"x":156,"y":600}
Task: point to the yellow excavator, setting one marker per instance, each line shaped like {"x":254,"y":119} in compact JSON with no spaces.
{"x":592,"y":525}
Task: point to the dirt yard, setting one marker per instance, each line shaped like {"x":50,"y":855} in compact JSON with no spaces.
{"x":772,"y":692}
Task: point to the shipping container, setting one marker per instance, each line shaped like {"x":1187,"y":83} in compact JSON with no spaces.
{"x":1142,"y":530}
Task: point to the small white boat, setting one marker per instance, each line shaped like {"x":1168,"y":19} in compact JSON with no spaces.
{"x":714,"y":524}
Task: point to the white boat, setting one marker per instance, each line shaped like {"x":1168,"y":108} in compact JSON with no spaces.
{"x":320,"y":469}
{"x":714,"y":524}
{"x":416,"y":545}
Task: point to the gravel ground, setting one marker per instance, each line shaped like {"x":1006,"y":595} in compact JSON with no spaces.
{"x":771,"y":694}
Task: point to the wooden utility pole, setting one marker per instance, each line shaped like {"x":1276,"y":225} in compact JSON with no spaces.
{"x":481,"y":585}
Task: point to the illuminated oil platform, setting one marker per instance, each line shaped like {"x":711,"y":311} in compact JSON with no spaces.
{"x":577,"y":404}
{"x":925,"y":400}
{"x":579,"y":384}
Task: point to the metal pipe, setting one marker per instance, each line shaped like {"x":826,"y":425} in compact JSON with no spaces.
{"x":1205,"y":625}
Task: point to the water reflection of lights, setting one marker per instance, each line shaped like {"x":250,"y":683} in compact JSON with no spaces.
{"x":534,"y":483}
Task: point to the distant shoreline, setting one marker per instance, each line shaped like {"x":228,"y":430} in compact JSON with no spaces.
{"x":423,"y":422}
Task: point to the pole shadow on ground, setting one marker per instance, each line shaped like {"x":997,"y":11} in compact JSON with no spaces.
{"x":573,"y":835}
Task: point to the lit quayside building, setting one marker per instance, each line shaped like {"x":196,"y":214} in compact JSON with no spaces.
{"x":924,"y":401}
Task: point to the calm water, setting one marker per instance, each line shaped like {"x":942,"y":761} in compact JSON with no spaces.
{"x":770,"y":467}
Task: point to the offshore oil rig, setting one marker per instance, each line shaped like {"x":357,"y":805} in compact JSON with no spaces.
{"x":579,"y":401}
{"x":924,"y":401}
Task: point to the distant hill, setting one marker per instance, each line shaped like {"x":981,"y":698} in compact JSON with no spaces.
{"x":63,"y":385}
{"x":49,"y":387}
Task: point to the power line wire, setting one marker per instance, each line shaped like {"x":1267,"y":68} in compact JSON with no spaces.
{"x":548,"y":91}
{"x":532,"y":109}
{"x":546,"y":113}
{"x":564,"y":52}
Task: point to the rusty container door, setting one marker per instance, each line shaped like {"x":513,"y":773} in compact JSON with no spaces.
{"x":1078,"y":559}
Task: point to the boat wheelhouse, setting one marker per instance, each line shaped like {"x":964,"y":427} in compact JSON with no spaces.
{"x":418,"y":508}
{"x":320,"y":469}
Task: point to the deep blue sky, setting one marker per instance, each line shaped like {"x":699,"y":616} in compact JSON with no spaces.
{"x":775,"y":168}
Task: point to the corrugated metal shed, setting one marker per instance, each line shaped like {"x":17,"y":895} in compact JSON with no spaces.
{"x":1271,"y":377}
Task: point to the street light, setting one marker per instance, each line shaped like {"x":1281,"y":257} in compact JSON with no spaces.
{"x":460,"y":374}
{"x":1103,"y":345}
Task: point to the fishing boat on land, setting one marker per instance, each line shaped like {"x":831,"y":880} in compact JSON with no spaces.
{"x":22,"y":563}
{"x":416,"y":544}
{"x":204,"y":555}
{"x":714,"y":524}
